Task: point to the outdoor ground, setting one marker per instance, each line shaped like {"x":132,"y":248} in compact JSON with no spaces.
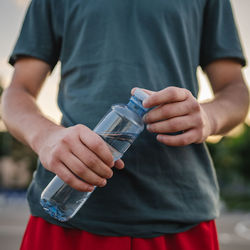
{"x":233,"y":228}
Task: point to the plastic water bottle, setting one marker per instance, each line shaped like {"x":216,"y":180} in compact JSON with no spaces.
{"x":118,"y":128}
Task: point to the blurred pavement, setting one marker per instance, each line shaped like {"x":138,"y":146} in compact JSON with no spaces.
{"x":233,"y":228}
{"x":14,"y":213}
{"x":234,"y":231}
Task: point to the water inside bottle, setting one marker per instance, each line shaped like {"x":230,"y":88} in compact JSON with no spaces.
{"x":118,"y":142}
{"x":65,"y":209}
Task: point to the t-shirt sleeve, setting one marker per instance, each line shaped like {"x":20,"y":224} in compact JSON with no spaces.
{"x":220,"y":37}
{"x":38,"y":36}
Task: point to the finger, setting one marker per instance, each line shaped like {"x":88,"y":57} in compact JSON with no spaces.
{"x":69,"y":178}
{"x":97,"y":145}
{"x":178,"y":140}
{"x":175,"y":124}
{"x":82,"y":171}
{"x":166,"y":111}
{"x":91,"y":160}
{"x":119,"y":164}
{"x":167,"y":95}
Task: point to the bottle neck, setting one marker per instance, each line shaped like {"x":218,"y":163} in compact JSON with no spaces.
{"x":136,"y":106}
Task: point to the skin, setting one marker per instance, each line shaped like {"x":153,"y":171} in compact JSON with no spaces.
{"x":78,"y":151}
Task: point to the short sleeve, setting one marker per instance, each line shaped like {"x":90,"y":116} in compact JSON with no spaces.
{"x":38,"y":37}
{"x":220,"y":37}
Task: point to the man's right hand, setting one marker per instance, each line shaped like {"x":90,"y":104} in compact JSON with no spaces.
{"x":79,"y":156}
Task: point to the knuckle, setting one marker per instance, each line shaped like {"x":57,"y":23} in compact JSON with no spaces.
{"x":153,"y":98}
{"x":56,"y":152}
{"x":67,"y":179}
{"x":172,"y":126}
{"x":97,"y":145}
{"x":81,"y":171}
{"x":188,"y":93}
{"x":77,"y":130}
{"x":52,"y":163}
{"x":92,"y":162}
{"x":184,"y":141}
{"x":100,"y":169}
{"x":173,"y":92}
{"x":164,"y":110}
{"x":172,"y":89}
{"x":78,"y":127}
{"x":195,"y":106}
{"x":65,"y":140}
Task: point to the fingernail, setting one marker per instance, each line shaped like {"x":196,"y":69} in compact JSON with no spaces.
{"x":122,"y":166}
{"x":144,"y":118}
{"x":104,"y":182}
{"x":159,"y":137}
{"x":91,"y":188}
{"x":134,"y":89}
{"x":149,"y":127}
{"x":110,"y":175}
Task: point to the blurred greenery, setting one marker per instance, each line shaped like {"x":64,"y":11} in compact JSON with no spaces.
{"x":231,"y":158}
{"x":10,"y":147}
{"x":15,"y":150}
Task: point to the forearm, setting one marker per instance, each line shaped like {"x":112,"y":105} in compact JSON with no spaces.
{"x":68,"y":152}
{"x":23,"y":118}
{"x":228,"y":108}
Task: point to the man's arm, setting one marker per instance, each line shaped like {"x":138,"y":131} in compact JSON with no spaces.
{"x":68,"y":152}
{"x":231,"y":96}
{"x":20,"y":112}
{"x":177,"y":109}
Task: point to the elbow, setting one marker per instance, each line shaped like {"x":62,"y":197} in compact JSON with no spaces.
{"x":245,"y":102}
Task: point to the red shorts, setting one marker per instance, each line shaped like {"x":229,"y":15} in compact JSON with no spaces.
{"x":40,"y":235}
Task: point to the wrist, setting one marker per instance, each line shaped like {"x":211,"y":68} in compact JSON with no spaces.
{"x":210,"y":120}
{"x":38,"y":138}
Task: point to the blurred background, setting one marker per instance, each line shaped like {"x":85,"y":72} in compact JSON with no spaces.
{"x":231,"y":154}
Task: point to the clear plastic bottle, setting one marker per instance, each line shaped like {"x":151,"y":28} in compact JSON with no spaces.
{"x":118,"y":128}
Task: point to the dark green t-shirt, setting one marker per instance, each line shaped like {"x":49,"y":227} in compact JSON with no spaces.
{"x":106,"y":47}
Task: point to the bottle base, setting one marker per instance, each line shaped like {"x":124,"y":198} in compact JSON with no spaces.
{"x":53,"y":210}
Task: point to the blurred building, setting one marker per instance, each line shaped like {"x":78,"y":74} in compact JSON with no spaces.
{"x":14,"y":174}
